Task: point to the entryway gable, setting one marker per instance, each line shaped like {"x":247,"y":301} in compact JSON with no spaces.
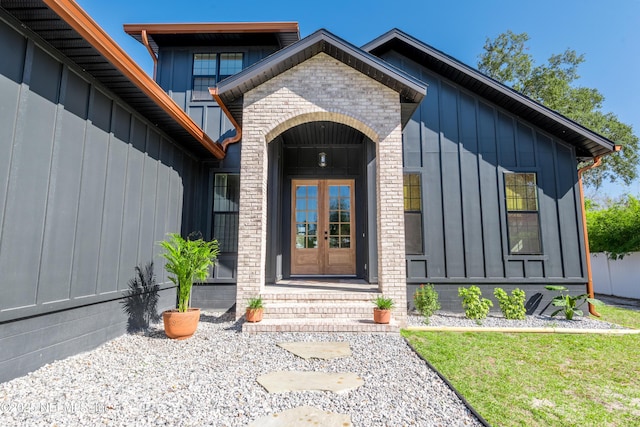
{"x":321,"y":88}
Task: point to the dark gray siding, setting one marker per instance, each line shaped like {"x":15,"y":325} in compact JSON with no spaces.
{"x":87,"y":188}
{"x":175,"y":67}
{"x":462,"y":146}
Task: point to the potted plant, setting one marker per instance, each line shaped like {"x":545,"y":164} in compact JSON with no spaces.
{"x":255,"y":310}
{"x":382,"y":310}
{"x":188,"y":261}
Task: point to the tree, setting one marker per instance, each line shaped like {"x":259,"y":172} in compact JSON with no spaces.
{"x":554,"y":85}
{"x":614,"y":228}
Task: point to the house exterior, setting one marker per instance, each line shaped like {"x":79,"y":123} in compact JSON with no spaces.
{"x":390,"y":163}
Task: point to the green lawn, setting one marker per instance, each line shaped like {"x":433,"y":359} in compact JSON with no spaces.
{"x":543,"y":379}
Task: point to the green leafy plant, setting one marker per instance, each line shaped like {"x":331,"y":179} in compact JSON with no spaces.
{"x":426,"y":301}
{"x":255,"y":303}
{"x":383,"y":303}
{"x":475,"y":307}
{"x":570,"y":304}
{"x":615,"y":227}
{"x":188,"y":260}
{"x":512,"y":306}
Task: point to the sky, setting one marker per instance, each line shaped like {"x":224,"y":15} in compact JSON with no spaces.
{"x":606,"y":32}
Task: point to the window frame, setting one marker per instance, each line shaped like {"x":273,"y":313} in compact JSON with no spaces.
{"x":216,"y":77}
{"x":211,"y":222}
{"x":505,"y":205}
{"x":420,"y":212}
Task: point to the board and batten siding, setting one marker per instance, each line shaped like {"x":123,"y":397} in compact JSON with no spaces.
{"x":87,"y":188}
{"x":175,"y":75}
{"x":462,"y":145}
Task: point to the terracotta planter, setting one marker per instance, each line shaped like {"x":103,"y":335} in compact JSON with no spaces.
{"x":180,"y":326}
{"x":254,"y":314}
{"x":381,"y":316}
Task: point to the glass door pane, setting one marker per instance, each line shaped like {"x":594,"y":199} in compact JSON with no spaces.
{"x":339,"y":215}
{"x":306,"y":216}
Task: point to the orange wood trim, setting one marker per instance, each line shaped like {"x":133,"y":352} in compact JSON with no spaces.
{"x":238,"y":136}
{"x":214,"y":27}
{"x":81,"y":22}
{"x":596,"y":162}
{"x":145,"y":42}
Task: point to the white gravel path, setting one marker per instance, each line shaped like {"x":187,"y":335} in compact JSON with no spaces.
{"x":210,"y":380}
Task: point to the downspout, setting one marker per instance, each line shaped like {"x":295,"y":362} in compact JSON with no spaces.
{"x":596,"y":162}
{"x":145,"y":42}
{"x":238,"y":136}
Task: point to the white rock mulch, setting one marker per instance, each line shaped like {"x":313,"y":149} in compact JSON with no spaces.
{"x":210,"y":379}
{"x":444,"y":318}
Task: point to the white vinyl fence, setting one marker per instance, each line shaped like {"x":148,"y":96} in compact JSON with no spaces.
{"x":619,"y":277}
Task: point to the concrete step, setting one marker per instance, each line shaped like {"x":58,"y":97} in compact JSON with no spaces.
{"x":320,"y":325}
{"x":318,"y":309}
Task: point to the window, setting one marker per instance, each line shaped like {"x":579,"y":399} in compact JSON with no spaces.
{"x":412,"y":214}
{"x":226,"y":196}
{"x":523,"y":224}
{"x":210,"y":68}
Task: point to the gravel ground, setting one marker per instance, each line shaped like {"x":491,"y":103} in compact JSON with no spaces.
{"x":210,"y":379}
{"x":443,"y":318}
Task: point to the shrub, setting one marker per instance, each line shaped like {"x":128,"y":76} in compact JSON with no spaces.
{"x":426,"y":301}
{"x":475,"y":307}
{"x":512,"y":306}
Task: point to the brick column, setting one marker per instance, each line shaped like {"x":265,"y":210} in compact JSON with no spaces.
{"x":392,"y":280}
{"x":252,"y":217}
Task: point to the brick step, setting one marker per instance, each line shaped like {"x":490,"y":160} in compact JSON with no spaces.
{"x":318,"y":309}
{"x":320,"y":325}
{"x":314,"y":297}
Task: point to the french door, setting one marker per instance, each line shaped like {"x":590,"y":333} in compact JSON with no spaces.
{"x":323,"y":227}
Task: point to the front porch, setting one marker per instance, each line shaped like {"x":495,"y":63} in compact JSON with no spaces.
{"x":320,"y":305}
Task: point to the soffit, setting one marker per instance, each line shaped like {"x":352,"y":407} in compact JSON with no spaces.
{"x":143,"y":94}
{"x":280,"y":34}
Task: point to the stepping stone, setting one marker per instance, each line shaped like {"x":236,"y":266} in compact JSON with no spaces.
{"x":284,"y":381}
{"x":303,"y":416}
{"x":317,"y":350}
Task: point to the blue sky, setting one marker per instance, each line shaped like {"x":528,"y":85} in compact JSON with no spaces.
{"x":608,"y":33}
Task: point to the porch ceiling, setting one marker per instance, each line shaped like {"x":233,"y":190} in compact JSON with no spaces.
{"x":322,"y":133}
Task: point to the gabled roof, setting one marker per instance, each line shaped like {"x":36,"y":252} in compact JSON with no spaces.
{"x":588,"y":143}
{"x":280,"y":34}
{"x":69,"y":29}
{"x":411,"y":90}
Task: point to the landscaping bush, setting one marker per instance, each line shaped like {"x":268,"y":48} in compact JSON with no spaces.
{"x":512,"y":306}
{"x":475,"y":307}
{"x":426,"y":301}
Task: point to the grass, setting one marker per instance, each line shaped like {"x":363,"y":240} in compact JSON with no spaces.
{"x":543,"y":379}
